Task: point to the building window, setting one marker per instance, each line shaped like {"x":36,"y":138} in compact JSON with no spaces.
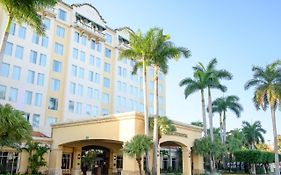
{"x":80,"y":90}
{"x":56,"y":66}
{"x":106,"y":82}
{"x":55,"y":84}
{"x":76,"y":37}
{"x":84,"y":40}
{"x":96,"y":94}
{"x":62,"y":15}
{"x":30,"y":76}
{"x":119,"y":71}
{"x":78,"y":108}
{"x":124,"y":72}
{"x":107,"y":53}
{"x":60,"y":31}
{"x":97,"y":78}
{"x":35,"y":38}
{"x":106,"y":67}
{"x":88,"y":109}
{"x":105,"y":111}
{"x":46,"y":23}
{"x":40,"y":79}
{"x":53,"y":103}
{"x":33,"y":57}
{"x":93,"y":44}
{"x":98,"y":62}
{"x":118,"y":101}
{"x":92,"y":60}
{"x":38,"y":99}
{"x":90,"y":93}
{"x":91,"y":76}
{"x":124,"y":87}
{"x":75,"y":53}
{"x":82,"y":56}
{"x":3,"y":92}
{"x":59,"y":49}
{"x":71,"y":106}
{"x":16,"y":73}
{"x":119,"y":162}
{"x":108,"y":38}
{"x":95,"y":111}
{"x":72,"y":87}
{"x":9,"y":49}
{"x":98,"y":47}
{"x":12,"y":28}
{"x":35,"y":120}
{"x":42,"y":60}
{"x":22,"y":31}
{"x":65,"y":161}
{"x":105,"y":98}
{"x":13,"y":94}
{"x":74,"y":70}
{"x":81,"y":72}
{"x":28,"y":97}
{"x":52,"y":120}
{"x":45,"y":41}
{"x":4,"y":70}
{"x":19,"y":52}
{"x":119,"y":86}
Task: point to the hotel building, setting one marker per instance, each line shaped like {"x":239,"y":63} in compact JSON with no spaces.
{"x":73,"y":71}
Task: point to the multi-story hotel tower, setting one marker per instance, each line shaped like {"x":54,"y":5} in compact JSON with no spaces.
{"x":73,"y":71}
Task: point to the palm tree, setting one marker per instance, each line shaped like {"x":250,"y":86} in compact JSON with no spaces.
{"x":163,"y":51}
{"x":221,"y":105}
{"x":139,"y":145}
{"x":165,"y":126}
{"x":267,"y":83}
{"x":197,"y":83}
{"x":212,"y":82}
{"x":253,"y":133}
{"x":14,"y":128}
{"x":142,"y":47}
{"x":23,"y":11}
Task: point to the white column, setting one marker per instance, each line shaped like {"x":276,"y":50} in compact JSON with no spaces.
{"x":186,"y":160}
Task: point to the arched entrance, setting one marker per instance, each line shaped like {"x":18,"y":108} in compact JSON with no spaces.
{"x":95,"y":159}
{"x":171,"y":157}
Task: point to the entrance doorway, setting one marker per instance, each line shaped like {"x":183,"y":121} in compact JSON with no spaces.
{"x":95,"y":159}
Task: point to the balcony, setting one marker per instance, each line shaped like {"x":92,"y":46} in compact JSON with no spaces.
{"x":90,"y":30}
{"x":123,"y":46}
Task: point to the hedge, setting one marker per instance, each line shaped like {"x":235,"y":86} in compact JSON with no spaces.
{"x":254,"y":156}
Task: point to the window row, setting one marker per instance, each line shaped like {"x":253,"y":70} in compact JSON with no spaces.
{"x":78,"y":38}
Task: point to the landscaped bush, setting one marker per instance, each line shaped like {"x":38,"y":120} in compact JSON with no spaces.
{"x":254,"y":156}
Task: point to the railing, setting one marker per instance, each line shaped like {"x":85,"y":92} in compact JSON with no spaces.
{"x":89,"y":29}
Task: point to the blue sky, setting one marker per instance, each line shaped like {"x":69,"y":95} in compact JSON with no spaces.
{"x":238,"y":33}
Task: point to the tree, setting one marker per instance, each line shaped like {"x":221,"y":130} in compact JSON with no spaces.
{"x":139,"y":145}
{"x":36,"y":151}
{"x":213,"y":77}
{"x":221,"y":105}
{"x":197,"y":123}
{"x":163,"y":51}
{"x":253,"y":133}
{"x":165,"y":126}
{"x":142,"y":47}
{"x":23,"y":11}
{"x":267,"y":83}
{"x":279,"y":143}
{"x":14,"y":129}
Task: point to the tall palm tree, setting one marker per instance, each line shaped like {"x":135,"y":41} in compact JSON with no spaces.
{"x":139,"y":145}
{"x":192,"y":85}
{"x":163,"y":51}
{"x":267,"y":83}
{"x":14,"y":129}
{"x":221,"y":105}
{"x":142,"y":47}
{"x":213,"y":82}
{"x":23,"y":12}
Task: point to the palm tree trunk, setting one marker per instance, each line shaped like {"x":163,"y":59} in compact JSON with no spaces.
{"x":277,"y":168}
{"x":224,"y":127}
{"x":221,"y":128}
{"x":210,"y":109}
{"x":155,"y":128}
{"x":204,"y":113}
{"x":5,"y":38}
{"x":146,"y":131}
{"x":139,"y":164}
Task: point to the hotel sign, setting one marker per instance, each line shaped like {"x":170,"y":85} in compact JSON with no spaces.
{"x":179,"y":134}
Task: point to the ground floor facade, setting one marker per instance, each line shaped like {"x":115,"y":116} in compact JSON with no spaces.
{"x":94,"y":146}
